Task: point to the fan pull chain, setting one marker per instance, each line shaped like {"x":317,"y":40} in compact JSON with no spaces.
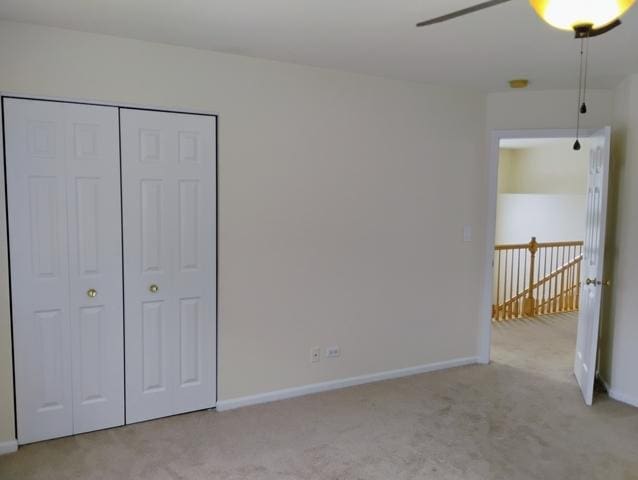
{"x":580,"y":95}
{"x":583,"y":107}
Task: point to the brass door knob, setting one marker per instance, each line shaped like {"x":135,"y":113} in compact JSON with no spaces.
{"x":604,"y":284}
{"x":153,"y":288}
{"x":91,"y":293}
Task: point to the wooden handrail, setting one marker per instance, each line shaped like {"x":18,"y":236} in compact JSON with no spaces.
{"x":514,"y":246}
{"x":544,"y":280}
{"x":535,"y":278}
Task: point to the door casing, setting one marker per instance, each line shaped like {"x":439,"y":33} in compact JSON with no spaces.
{"x":485,"y":332}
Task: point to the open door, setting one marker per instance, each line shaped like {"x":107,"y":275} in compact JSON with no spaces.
{"x":592,"y":271}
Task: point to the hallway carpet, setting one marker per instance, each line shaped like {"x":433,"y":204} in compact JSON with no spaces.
{"x":522,"y":417}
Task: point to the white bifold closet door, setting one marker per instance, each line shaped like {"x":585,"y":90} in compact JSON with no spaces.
{"x":63,"y":192}
{"x":169,"y":211}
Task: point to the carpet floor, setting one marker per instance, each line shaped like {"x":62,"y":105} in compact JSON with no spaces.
{"x":521,"y":417}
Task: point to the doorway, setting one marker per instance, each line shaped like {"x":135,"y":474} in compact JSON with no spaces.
{"x":546,"y":242}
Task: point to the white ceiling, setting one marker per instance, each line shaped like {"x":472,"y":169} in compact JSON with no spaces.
{"x":376,"y":37}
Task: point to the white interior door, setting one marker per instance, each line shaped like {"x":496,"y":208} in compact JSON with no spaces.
{"x":63,"y":195}
{"x":593,"y":258}
{"x":168,"y":182}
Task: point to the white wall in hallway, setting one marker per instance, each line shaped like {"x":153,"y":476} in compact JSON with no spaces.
{"x":542,"y":192}
{"x":549,"y":218}
{"x":342,"y":203}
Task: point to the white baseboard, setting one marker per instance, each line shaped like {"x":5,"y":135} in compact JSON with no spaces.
{"x":620,"y":396}
{"x":8,"y":447}
{"x":342,"y":383}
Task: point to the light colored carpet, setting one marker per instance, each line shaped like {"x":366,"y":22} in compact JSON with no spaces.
{"x":521,"y":417}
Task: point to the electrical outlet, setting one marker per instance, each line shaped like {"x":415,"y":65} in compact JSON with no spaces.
{"x":315,"y":354}
{"x":333,"y":352}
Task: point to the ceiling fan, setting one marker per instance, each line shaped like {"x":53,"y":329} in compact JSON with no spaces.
{"x":586,"y":18}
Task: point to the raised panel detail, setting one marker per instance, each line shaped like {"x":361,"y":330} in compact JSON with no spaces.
{"x":85,"y":141}
{"x":41,"y":139}
{"x":188,"y":227}
{"x":149,"y":146}
{"x":151,"y":221}
{"x":152,"y":347}
{"x":43,"y":212}
{"x":91,"y":338}
{"x":87,"y":195}
{"x":189,"y":319}
{"x":188,"y":147}
{"x":49,"y":351}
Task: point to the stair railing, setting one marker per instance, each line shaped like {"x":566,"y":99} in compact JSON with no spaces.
{"x":535,"y":278}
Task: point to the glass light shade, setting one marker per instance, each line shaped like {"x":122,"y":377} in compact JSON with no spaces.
{"x":566,"y":14}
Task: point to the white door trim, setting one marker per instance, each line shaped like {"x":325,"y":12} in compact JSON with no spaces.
{"x":485,"y":332}
{"x":89,"y":101}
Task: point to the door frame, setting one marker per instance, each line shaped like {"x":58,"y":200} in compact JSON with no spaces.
{"x":4,"y":211}
{"x":495,"y":137}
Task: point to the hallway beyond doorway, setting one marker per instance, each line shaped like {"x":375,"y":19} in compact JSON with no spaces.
{"x":541,"y":345}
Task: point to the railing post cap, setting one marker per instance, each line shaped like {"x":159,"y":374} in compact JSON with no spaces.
{"x":533,"y":245}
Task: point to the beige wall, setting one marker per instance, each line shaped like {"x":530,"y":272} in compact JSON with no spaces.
{"x":554,"y":168}
{"x":619,"y":343}
{"x":546,"y":109}
{"x":342,"y":203}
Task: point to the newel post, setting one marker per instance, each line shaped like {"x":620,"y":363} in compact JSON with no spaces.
{"x":529,"y":304}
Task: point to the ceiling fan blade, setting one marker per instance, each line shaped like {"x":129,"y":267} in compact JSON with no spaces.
{"x":460,"y":13}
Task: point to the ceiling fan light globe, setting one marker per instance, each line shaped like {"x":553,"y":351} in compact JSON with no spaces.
{"x":568,"y":14}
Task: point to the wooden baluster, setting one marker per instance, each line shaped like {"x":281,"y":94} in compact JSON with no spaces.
{"x":561,"y":297}
{"x":577,"y":301}
{"x":550,"y":294}
{"x":552,"y":281}
{"x":505,"y":276}
{"x":572,"y":257}
{"x":568,"y":282}
{"x":498,"y":287}
{"x":556,"y":289}
{"x":517,"y":310}
{"x":538,"y":277}
{"x":511,"y":311}
{"x":529,"y":304}
{"x":541,"y":275}
{"x":566,"y":279}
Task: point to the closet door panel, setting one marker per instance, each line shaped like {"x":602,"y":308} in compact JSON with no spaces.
{"x":35,"y":169}
{"x":195,"y":271}
{"x":63,"y":202}
{"x":95,"y":265}
{"x":168,"y":163}
{"x":147,"y":149}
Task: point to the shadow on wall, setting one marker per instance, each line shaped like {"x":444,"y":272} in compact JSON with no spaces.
{"x":608,"y":309}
